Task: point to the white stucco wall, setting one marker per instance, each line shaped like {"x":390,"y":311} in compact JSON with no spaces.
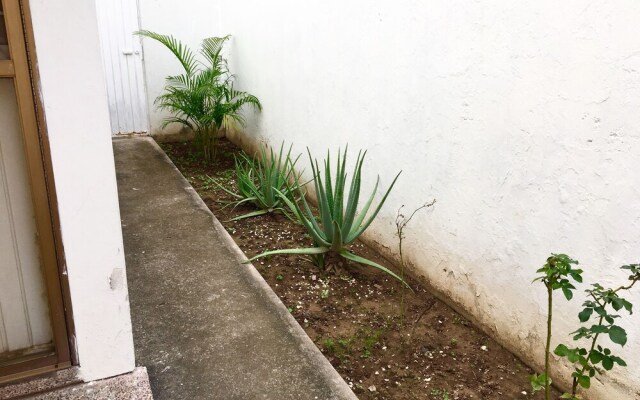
{"x":520,"y":118}
{"x":76,"y":111}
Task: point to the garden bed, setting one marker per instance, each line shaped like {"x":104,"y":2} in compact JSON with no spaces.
{"x":354,"y":317}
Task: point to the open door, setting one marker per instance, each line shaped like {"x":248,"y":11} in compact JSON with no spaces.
{"x":33,"y":326}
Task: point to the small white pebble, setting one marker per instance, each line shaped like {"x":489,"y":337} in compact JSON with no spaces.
{"x":372,"y":388}
{"x":484,"y":348}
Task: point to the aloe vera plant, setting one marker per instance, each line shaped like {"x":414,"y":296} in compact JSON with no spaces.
{"x":338,"y":223}
{"x":264,"y":181}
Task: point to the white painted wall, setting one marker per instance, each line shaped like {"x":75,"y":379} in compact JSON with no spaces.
{"x":76,"y":110}
{"x":520,"y":118}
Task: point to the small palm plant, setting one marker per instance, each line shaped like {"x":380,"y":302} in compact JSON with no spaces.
{"x":338,"y":224}
{"x":203,"y":97}
{"x":261,"y":182}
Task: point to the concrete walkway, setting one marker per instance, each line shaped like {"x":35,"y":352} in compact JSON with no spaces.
{"x":204,"y":325}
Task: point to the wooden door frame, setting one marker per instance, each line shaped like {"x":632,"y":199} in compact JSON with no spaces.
{"x":22,"y":68}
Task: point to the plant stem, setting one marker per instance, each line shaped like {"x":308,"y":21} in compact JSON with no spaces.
{"x":402,"y":277}
{"x":547,"y":388}
{"x":574,"y":387}
{"x":401,"y":223}
{"x":629,"y":286}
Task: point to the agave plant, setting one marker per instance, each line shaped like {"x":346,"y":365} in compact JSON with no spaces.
{"x":338,"y":223}
{"x":264,"y":181}
{"x":203,"y":97}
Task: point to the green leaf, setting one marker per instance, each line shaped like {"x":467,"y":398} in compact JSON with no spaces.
{"x":607,"y":363}
{"x":576,"y":276}
{"x":580,"y":333}
{"x":573,"y":356}
{"x":538,"y":382}
{"x":249,"y":215}
{"x":595,"y":357}
{"x":627,"y":306}
{"x":599,"y":329}
{"x":354,"y":196}
{"x":617,"y":303}
{"x":567,"y":292}
{"x":359,"y":229}
{"x":362,"y":260}
{"x":585,"y":314}
{"x":184,"y":55}
{"x":535,"y":383}
{"x":337,"y":242}
{"x":618,"y":335}
{"x":305,"y":251}
{"x":619,"y":361}
{"x":584,"y":381}
{"x":561,"y":350}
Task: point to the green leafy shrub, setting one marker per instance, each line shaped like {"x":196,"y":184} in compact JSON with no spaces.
{"x":203,"y":97}
{"x":557,"y":273}
{"x":599,"y":314}
{"x":601,"y":307}
{"x":263,"y":182}
{"x":338,"y":223}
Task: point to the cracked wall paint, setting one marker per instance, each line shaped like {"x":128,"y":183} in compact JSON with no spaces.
{"x":520,"y":118}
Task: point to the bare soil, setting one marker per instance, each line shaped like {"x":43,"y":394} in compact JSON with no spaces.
{"x":355,"y":316}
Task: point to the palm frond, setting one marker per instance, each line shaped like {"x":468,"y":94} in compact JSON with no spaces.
{"x":181,"y":51}
{"x":211,"y":49}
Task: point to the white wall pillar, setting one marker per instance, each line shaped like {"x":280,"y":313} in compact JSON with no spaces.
{"x":76,"y":111}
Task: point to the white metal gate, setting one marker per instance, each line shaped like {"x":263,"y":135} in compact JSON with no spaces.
{"x":122,"y":57}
